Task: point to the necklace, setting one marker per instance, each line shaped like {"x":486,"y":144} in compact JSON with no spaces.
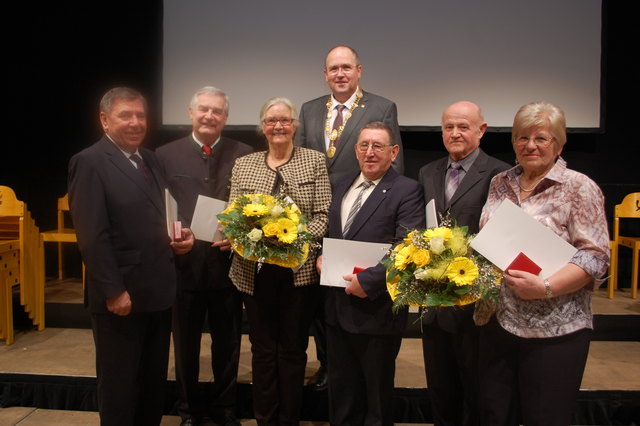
{"x":335,"y":134}
{"x":530,"y":189}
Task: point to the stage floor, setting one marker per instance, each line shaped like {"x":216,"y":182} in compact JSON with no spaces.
{"x":611,"y":365}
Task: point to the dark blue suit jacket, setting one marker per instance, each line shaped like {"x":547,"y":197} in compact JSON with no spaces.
{"x":395,"y":206}
{"x":121,"y":227}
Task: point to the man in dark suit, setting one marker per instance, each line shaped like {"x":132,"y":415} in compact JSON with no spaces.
{"x":117,"y":207}
{"x":363,"y":334}
{"x":331,"y":124}
{"x":200,"y":164}
{"x":449,"y":336}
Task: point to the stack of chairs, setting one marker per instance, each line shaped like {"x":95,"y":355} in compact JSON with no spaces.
{"x":21,"y":263}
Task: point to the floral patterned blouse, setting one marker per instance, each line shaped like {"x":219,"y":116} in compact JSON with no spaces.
{"x":571,"y":205}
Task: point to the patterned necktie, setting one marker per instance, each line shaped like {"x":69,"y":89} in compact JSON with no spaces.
{"x":453,"y":182}
{"x":356,"y":206}
{"x":206,"y":149}
{"x":142,"y":167}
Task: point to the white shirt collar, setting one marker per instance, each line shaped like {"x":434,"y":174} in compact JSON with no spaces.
{"x":348,"y":103}
{"x":126,"y":154}
{"x":193,"y":135}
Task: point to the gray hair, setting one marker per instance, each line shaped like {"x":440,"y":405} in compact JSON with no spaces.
{"x":540,"y":114}
{"x":210,"y":90}
{"x":276,"y":101}
{"x":109,"y":98}
{"x":379,"y":125}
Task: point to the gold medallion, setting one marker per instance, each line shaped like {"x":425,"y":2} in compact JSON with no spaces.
{"x":331,"y":151}
{"x":334,"y":135}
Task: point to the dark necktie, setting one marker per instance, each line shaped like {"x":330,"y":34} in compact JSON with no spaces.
{"x":338,"y":121}
{"x":356,"y":206}
{"x":453,"y":182}
{"x":142,"y":168}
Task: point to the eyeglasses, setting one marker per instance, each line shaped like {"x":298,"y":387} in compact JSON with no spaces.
{"x":376,"y":147}
{"x":271,"y":122}
{"x":346,"y":69}
{"x":540,"y":141}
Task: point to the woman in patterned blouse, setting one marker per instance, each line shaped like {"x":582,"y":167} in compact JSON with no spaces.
{"x":279,"y":301}
{"x":533,"y":352}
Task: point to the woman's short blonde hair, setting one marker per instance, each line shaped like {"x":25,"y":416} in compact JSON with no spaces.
{"x":540,"y":114}
{"x":275,"y":101}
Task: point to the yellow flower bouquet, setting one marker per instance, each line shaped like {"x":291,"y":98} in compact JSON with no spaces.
{"x":436,"y":267}
{"x":267,"y":229}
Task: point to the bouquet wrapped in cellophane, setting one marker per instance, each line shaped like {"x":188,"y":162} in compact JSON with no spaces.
{"x":436,"y":267}
{"x":267,"y":229}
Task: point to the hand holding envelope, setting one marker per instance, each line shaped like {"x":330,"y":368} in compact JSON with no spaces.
{"x":341,"y":257}
{"x":512,"y":239}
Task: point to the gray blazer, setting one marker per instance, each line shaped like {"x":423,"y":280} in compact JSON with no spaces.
{"x":310,"y":133}
{"x":465,"y":207}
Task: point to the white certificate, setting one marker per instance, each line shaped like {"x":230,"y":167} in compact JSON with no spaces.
{"x":339,"y":257}
{"x":171,"y":211}
{"x":204,"y":224}
{"x":432,"y":216}
{"x":511,"y":231}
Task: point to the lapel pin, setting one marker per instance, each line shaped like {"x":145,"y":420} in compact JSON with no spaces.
{"x":384,"y":191}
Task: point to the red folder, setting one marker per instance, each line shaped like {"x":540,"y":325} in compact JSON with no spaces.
{"x":523,"y":263}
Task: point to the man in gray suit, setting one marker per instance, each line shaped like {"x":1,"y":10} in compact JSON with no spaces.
{"x":449,"y":335}
{"x":331,"y":124}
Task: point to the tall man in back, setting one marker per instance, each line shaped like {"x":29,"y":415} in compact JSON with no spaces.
{"x":373,"y":204}
{"x":200,"y":164}
{"x":459,"y":184}
{"x":116,"y":203}
{"x":331,"y":124}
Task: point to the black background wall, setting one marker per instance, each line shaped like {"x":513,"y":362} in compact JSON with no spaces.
{"x":63,"y":57}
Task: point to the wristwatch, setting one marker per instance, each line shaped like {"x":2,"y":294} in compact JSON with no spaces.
{"x":547,"y":289}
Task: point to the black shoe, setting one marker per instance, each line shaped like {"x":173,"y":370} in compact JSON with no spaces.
{"x":318,"y":382}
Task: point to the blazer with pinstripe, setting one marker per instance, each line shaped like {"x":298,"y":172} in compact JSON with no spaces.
{"x":305,"y":179}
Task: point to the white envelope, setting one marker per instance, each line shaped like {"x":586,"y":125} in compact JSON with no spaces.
{"x":204,"y":224}
{"x":171,"y":211}
{"x":339,"y":257}
{"x":432,"y":216}
{"x":511,"y":231}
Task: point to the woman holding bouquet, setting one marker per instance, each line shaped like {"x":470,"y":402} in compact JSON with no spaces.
{"x":533,"y":352}
{"x":279,"y":300}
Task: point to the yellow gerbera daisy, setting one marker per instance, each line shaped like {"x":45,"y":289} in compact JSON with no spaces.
{"x":444,"y":233}
{"x":462,"y":271}
{"x":255,"y":210}
{"x":403,"y":257}
{"x":287,"y":230}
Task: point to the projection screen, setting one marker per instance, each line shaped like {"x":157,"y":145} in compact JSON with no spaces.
{"x":422,"y":54}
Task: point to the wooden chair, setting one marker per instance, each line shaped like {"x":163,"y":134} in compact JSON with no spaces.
{"x":629,"y":208}
{"x":61,"y":234}
{"x":18,"y":231}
